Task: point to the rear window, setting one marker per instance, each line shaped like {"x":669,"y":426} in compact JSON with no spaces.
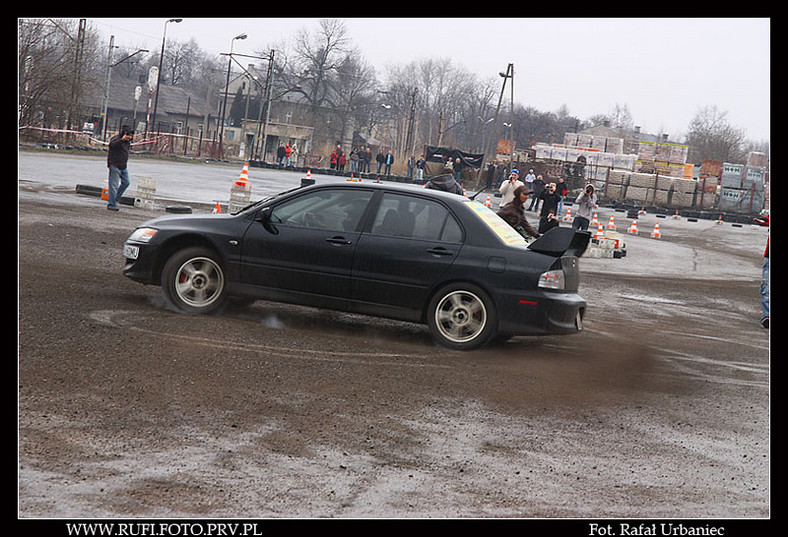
{"x":496,"y":224}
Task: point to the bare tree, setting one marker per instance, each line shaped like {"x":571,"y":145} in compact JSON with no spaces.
{"x":710,"y":136}
{"x":58,"y":71}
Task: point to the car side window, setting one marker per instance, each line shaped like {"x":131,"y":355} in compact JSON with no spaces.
{"x":330,"y":209}
{"x":412,"y":217}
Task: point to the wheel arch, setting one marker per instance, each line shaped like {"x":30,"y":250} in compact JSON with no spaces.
{"x":181,"y":242}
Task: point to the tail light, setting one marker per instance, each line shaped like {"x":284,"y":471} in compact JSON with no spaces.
{"x":552,"y":279}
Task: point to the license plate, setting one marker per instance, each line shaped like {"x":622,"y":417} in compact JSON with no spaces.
{"x":130,"y":251}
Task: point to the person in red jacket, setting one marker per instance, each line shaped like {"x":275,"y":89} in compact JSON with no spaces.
{"x":764,"y":289}
{"x":288,"y":152}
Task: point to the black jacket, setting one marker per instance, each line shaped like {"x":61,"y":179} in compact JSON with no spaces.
{"x":118,"y":153}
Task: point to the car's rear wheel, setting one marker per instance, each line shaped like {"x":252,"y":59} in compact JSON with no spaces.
{"x":462,"y":316}
{"x":193,"y":281}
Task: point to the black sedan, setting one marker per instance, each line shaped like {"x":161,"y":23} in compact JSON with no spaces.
{"x":385,"y":250}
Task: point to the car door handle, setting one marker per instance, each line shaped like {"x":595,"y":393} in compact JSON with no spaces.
{"x":338,"y":240}
{"x":439,"y":251}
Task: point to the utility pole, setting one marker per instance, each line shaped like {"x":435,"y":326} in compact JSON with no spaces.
{"x":486,"y":149}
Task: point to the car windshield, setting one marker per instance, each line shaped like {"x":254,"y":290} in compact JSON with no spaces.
{"x":496,"y":224}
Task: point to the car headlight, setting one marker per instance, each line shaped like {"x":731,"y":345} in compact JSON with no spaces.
{"x":143,"y":234}
{"x":552,"y":279}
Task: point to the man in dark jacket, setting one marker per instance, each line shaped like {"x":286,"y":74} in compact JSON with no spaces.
{"x":117,"y":162}
{"x":548,"y":217}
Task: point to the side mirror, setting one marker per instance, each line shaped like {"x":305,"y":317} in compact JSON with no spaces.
{"x":264,"y":217}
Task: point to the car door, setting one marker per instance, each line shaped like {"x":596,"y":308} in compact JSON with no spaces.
{"x":411,"y":242}
{"x":305,"y":246}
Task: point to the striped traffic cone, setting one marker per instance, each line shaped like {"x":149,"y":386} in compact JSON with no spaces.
{"x":244,"y":178}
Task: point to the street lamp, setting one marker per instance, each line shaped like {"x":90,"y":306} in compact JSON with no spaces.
{"x":158,"y":76}
{"x":486,"y":148}
{"x":227,"y":87}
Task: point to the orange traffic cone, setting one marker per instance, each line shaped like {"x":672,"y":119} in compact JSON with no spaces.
{"x":217,"y":208}
{"x":594,"y":221}
{"x":244,"y":176}
{"x":488,"y":203}
{"x":309,"y":174}
{"x":656,"y":234}
{"x":600,"y":233}
{"x":568,"y":215}
{"x":719,"y":220}
{"x":612,"y":223}
{"x":676,"y":216}
{"x":642,"y":211}
{"x":633,"y":228}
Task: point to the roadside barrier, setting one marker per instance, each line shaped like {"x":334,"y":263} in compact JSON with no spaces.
{"x":146,"y":192}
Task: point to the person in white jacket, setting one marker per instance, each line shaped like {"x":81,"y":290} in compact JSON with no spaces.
{"x":586,"y":202}
{"x":507,"y":187}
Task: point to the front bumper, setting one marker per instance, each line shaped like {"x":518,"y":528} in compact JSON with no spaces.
{"x":140,"y":263}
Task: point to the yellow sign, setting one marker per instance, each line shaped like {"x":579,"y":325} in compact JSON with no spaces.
{"x":499,"y":226}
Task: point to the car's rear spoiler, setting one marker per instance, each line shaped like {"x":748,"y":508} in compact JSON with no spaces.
{"x":561,"y":241}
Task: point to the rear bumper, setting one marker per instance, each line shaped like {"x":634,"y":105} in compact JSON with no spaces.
{"x":541,"y":313}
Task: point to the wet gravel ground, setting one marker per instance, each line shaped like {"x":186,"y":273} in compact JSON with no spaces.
{"x":659,"y":408}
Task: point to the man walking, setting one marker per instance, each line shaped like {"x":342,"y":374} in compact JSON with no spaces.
{"x":117,"y":162}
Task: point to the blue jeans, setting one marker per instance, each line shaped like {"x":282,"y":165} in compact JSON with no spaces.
{"x":118,"y":182}
{"x":764,"y":290}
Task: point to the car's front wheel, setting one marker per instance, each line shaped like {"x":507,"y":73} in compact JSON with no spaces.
{"x":462,"y":317}
{"x":193,"y":281}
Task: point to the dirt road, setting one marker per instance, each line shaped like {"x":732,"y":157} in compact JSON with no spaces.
{"x":659,"y":408}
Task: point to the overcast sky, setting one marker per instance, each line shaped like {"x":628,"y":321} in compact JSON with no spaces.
{"x":663,"y":70}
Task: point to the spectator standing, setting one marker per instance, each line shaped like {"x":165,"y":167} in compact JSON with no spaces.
{"x":389,"y":160}
{"x":508,"y":187}
{"x":411,"y":166}
{"x":368,"y":160}
{"x":537,"y":185}
{"x":586,"y":203}
{"x":420,"y":164}
{"x":547,"y":217}
{"x":764,"y":288}
{"x":562,"y":191}
{"x":490,"y":176}
{"x":529,"y":179}
{"x":288,"y":152}
{"x":354,"y":160}
{"x":457,"y":170}
{"x":280,"y":154}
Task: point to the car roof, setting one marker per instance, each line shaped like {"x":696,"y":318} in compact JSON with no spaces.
{"x":395,"y":187}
